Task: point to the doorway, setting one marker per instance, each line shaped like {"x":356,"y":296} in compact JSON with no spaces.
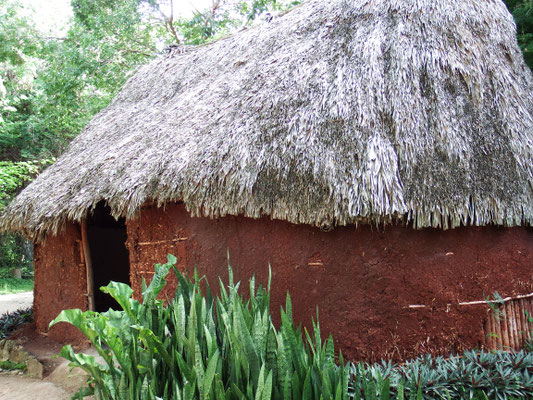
{"x":109,"y":256}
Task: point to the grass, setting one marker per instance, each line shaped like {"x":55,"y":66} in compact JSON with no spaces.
{"x":14,"y":285}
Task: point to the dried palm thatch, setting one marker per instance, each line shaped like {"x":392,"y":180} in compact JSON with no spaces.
{"x":338,"y":112}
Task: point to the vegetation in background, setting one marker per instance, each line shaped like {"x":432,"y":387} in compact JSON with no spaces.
{"x":12,"y":320}
{"x":19,"y":46}
{"x":202,"y":347}
{"x":15,"y":251}
{"x":14,"y":285}
{"x":522,"y":11}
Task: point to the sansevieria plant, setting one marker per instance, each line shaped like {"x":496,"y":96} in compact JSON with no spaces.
{"x":197,"y":346}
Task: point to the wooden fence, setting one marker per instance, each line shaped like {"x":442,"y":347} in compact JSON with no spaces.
{"x":509,"y":324}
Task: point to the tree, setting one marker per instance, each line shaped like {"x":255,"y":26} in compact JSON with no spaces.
{"x":19,"y":45}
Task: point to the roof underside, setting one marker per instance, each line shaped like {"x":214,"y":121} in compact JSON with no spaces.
{"x":339,"y":112}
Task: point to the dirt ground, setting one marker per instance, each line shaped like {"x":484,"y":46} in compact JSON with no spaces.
{"x":12,"y":302}
{"x":24,"y":388}
{"x":58,"y":382}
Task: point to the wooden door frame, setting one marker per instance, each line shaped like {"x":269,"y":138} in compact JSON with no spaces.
{"x":88,"y":264}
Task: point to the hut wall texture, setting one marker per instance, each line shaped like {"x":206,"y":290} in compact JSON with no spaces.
{"x":362,"y":280}
{"x":60,"y":282}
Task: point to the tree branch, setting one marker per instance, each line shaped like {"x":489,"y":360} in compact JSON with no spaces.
{"x":54,"y":38}
{"x":171,"y":23}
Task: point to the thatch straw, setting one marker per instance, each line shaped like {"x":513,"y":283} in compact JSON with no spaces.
{"x":338,"y":112}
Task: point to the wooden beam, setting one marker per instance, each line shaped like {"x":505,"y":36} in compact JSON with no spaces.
{"x":88,"y":264}
{"x":156,"y":243}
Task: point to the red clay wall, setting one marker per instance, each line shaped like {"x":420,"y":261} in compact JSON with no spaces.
{"x":362,"y":280}
{"x":60,"y":282}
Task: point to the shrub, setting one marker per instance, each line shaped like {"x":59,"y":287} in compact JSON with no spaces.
{"x":202,"y":347}
{"x":473,"y":376}
{"x":12,"y":320}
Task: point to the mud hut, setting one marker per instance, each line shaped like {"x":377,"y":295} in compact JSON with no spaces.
{"x":378,"y":154}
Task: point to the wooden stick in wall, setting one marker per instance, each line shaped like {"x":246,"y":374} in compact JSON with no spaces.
{"x":492,"y":332}
{"x":88,"y":264}
{"x":504,"y":323}
{"x":511,"y":322}
{"x":519,"y":325}
{"x":528,"y":306}
{"x":496,"y":318}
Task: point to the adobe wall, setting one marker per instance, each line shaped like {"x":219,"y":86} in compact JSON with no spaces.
{"x":60,"y":282}
{"x":362,"y":280}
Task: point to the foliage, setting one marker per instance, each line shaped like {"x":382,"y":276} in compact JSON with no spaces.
{"x":15,"y":251}
{"x":15,"y":285}
{"x":473,"y":376}
{"x":220,"y":19}
{"x":85,"y":69}
{"x":16,"y":36}
{"x":11,"y":366}
{"x":522,"y":11}
{"x":50,"y":87}
{"x":18,"y":44}
{"x":14,"y":175}
{"x":202,"y":347}
{"x":12,"y":320}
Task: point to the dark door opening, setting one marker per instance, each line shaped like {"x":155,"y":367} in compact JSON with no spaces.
{"x":109,"y":255}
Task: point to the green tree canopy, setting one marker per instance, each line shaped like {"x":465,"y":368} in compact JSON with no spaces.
{"x":522,"y":11}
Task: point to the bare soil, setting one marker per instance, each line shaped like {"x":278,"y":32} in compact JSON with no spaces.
{"x":12,"y":302}
{"x":58,"y":382}
{"x":15,"y":387}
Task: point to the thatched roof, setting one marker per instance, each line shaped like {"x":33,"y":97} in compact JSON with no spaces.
{"x":338,"y":112}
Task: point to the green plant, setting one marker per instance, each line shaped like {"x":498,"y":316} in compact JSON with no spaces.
{"x":495,"y":305}
{"x":14,"y":285}
{"x":12,"y":320}
{"x":202,"y":347}
{"x":473,"y":376}
{"x":11,"y":366}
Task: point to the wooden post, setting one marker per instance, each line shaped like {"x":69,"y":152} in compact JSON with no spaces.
{"x":88,"y":264}
{"x":497,"y":319}
{"x":492,"y":332}
{"x":519,"y":325}
{"x":528,"y":306}
{"x":504,"y":324}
